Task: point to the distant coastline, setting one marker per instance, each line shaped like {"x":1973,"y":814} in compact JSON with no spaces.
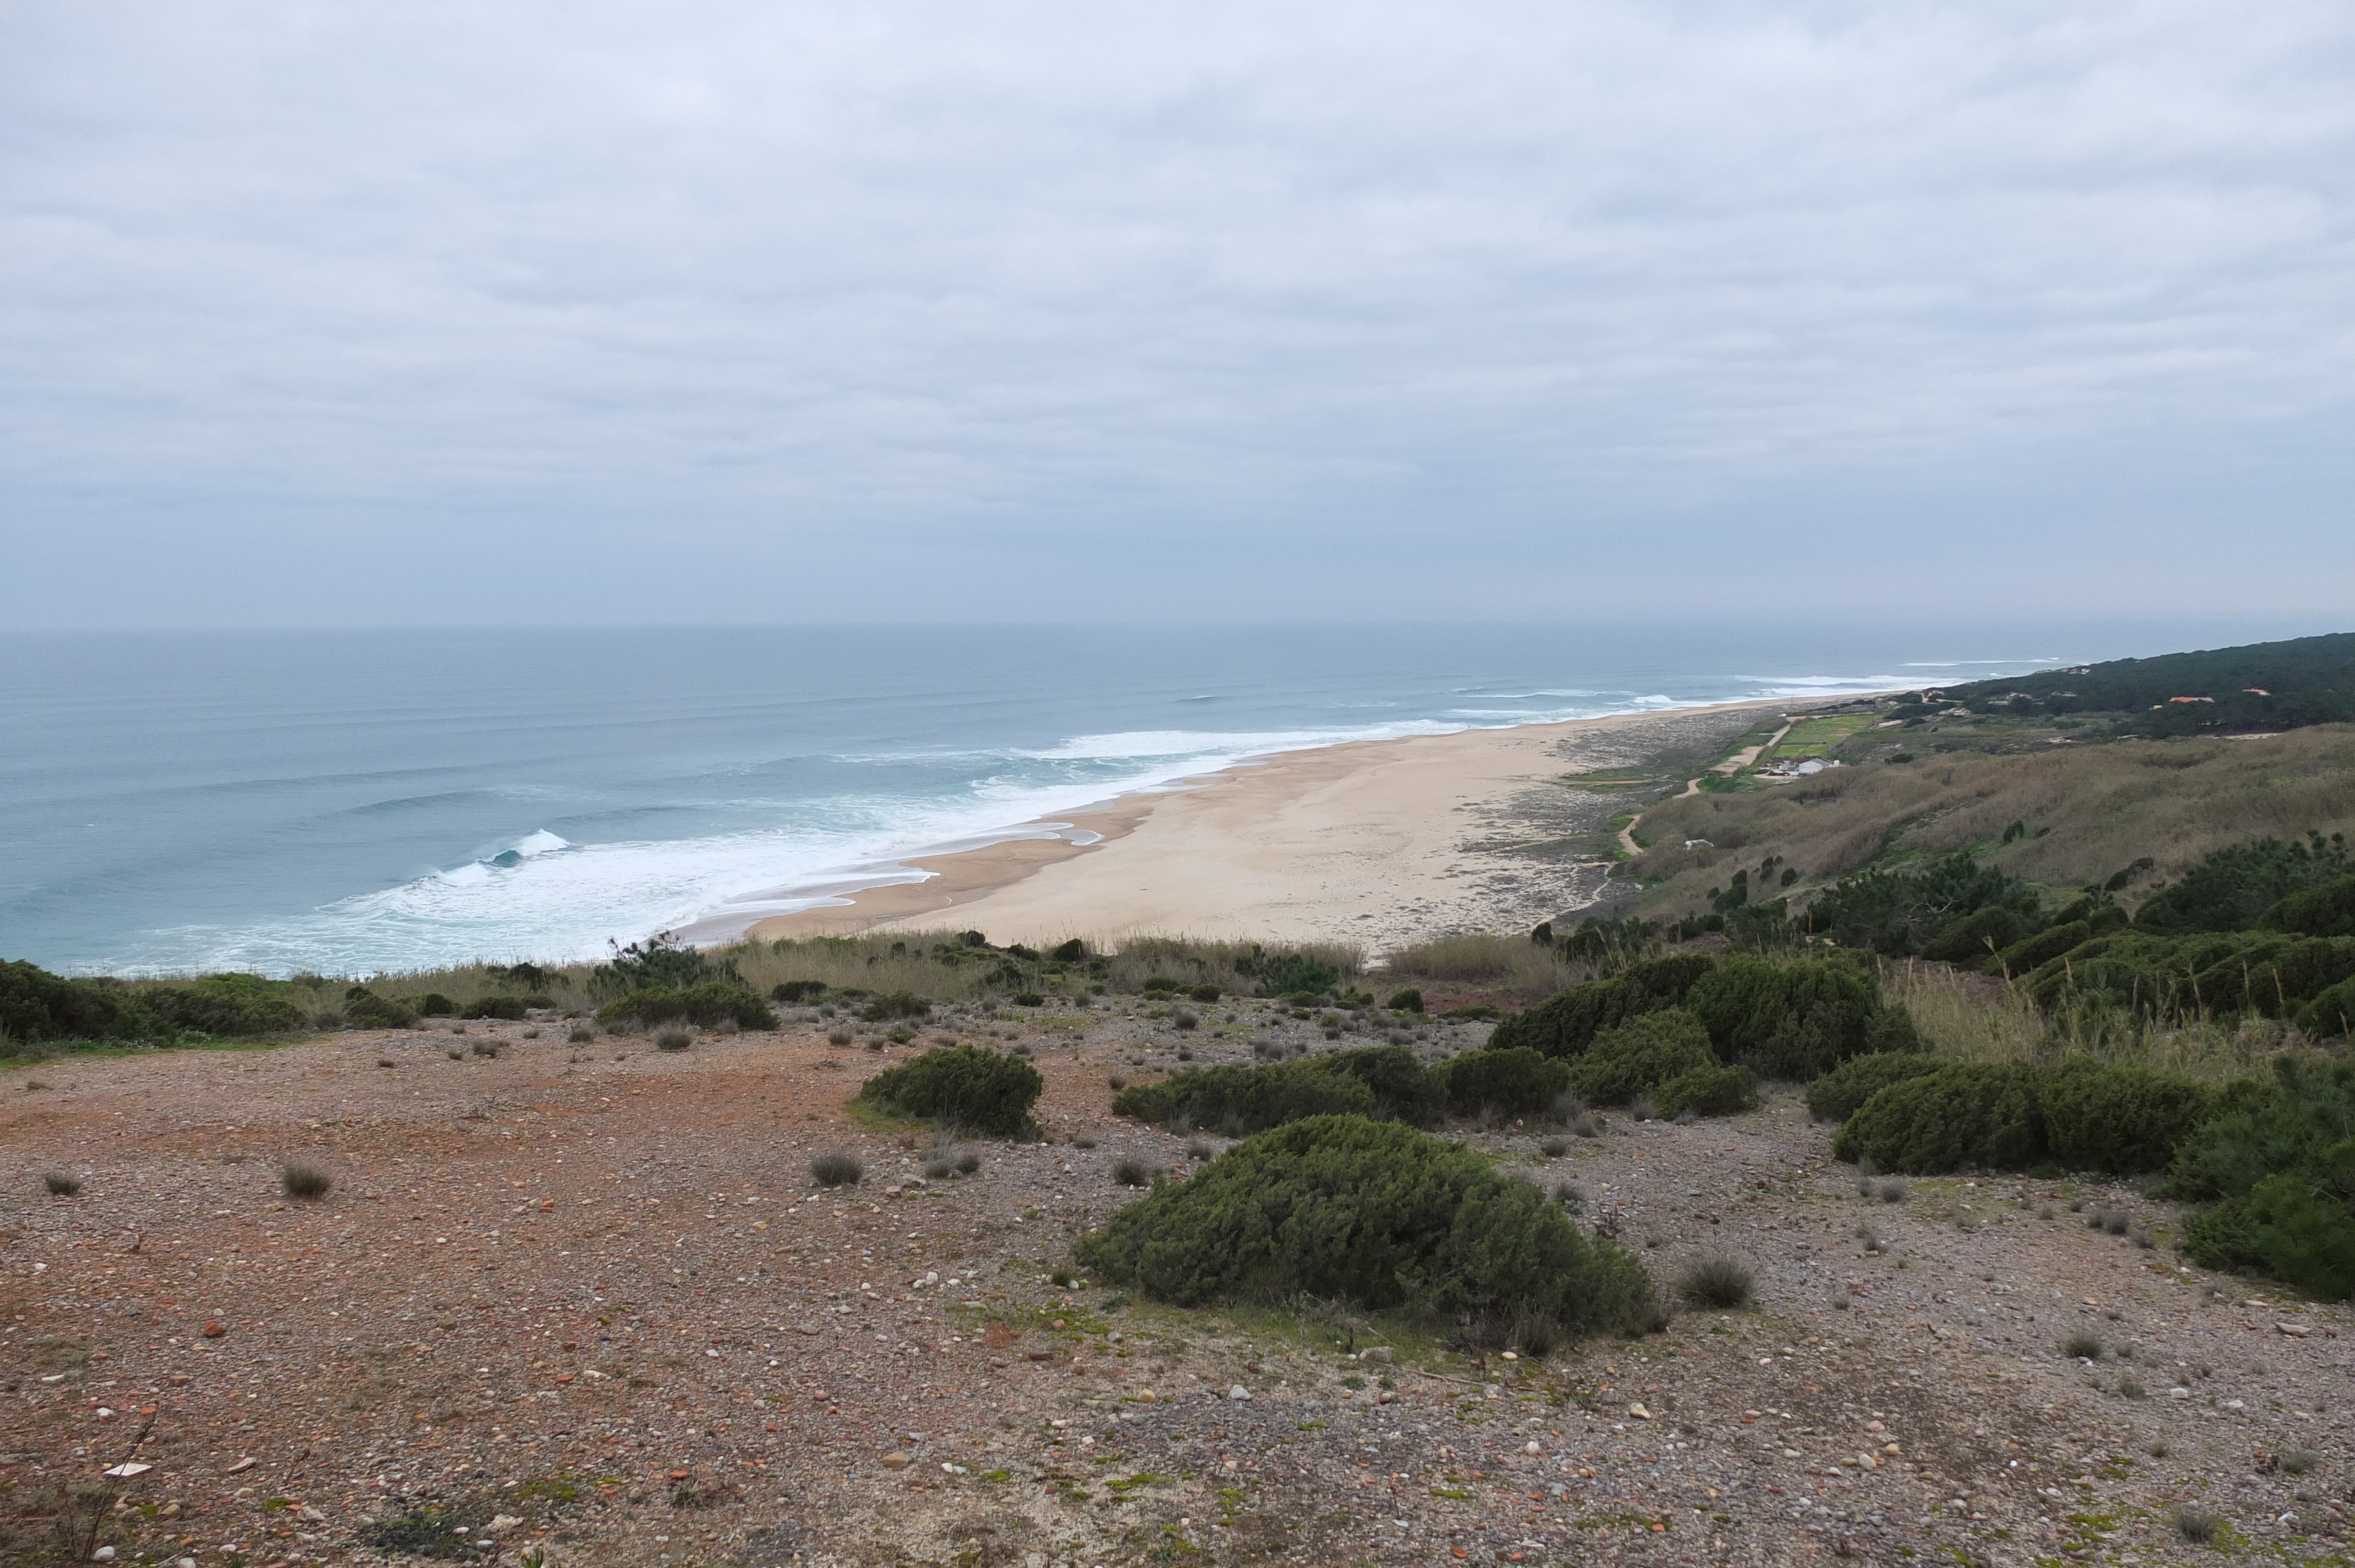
{"x":1376,"y":843}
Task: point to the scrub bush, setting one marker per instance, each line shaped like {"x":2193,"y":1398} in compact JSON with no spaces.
{"x":706,"y":1004}
{"x":1373,"y":1214}
{"x":1566,"y":1023}
{"x":509,"y":1008}
{"x":433,"y":1004}
{"x":1237,"y":1100}
{"x":228,"y":1005}
{"x":2330,"y":1015}
{"x":1969,"y":1113}
{"x":1404,"y":1088}
{"x":1407,"y":1001}
{"x":2275,"y":1159}
{"x":1836,"y":1096}
{"x":2120,"y":1119}
{"x":1515,"y":1081}
{"x":1787,"y":1021}
{"x":792,"y":993}
{"x":1976,"y":937}
{"x":363,"y":1009}
{"x":2325,"y":911}
{"x":36,"y":1005}
{"x":1708,"y":1091}
{"x":1640,"y":1056}
{"x":961,"y":1085}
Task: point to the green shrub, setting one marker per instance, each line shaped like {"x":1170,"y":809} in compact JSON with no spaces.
{"x":1236,"y":1100}
{"x":433,"y":1004}
{"x":2284,"y":1227}
{"x":1404,"y":1088}
{"x":1204,"y":993}
{"x":1894,"y":912}
{"x":36,"y":1005}
{"x":2120,"y":1119}
{"x":961,"y":1086}
{"x":792,"y":993}
{"x":2328,"y":910}
{"x":1286,"y":974}
{"x":712,"y":1002}
{"x":1407,"y":1001}
{"x":1836,"y":1096}
{"x":1513,"y":1082}
{"x":230,"y":1006}
{"x":894,"y":1004}
{"x":2031,"y":952}
{"x":2233,"y":888}
{"x":1565,"y":1024}
{"x":364,"y":1008}
{"x":1977,"y":936}
{"x":1967,"y":1113}
{"x":1787,"y":1021}
{"x":1708,"y":1091}
{"x":509,"y":1008}
{"x":1372,"y":1213}
{"x":2331,"y":1014}
{"x":1639,"y":1055}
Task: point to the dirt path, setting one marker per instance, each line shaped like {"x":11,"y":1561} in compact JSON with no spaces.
{"x":1730,"y":766}
{"x":597,"y":1306}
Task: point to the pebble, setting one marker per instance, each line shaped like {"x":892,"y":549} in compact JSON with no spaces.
{"x":1239,"y":1391}
{"x":898,"y":1459}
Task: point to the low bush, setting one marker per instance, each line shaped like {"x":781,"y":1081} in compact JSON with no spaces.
{"x":1787,"y":1021}
{"x":508,"y":1008}
{"x":1516,"y":1081}
{"x":1566,"y":1023}
{"x":1835,"y":1097}
{"x":959,"y":1085}
{"x":37,"y":1006}
{"x":2328,"y":910}
{"x":894,"y":1004}
{"x":363,"y":1009}
{"x":433,"y":1004}
{"x":673,"y":1039}
{"x":1719,"y":1281}
{"x":712,"y":1002}
{"x":2121,"y":1119}
{"x":2331,"y":1014}
{"x":304,"y":1182}
{"x":1236,"y":1100}
{"x":1404,"y":1088}
{"x":62,"y":1184}
{"x":231,"y":1006}
{"x":1967,"y":1114}
{"x":1978,"y":935}
{"x":2274,"y":1160}
{"x":1204,"y":993}
{"x":1407,"y":1001}
{"x":1132,"y":1173}
{"x":1639,"y":1057}
{"x":1375,"y":1214}
{"x":1708,"y":1091}
{"x":837,"y":1170}
{"x":792,"y":993}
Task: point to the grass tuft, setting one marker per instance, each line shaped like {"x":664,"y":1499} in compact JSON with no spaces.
{"x":673,"y":1039}
{"x":837,"y":1170}
{"x":2195,"y":1523}
{"x":304,"y":1182}
{"x":62,"y":1184}
{"x":1718,"y":1280}
{"x":2084,"y":1345}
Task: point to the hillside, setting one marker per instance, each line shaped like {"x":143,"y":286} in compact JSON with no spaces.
{"x":2260,"y":686}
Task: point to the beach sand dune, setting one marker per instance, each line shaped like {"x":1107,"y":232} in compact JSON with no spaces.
{"x":1376,"y":843}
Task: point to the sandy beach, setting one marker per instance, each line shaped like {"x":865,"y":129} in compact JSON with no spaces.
{"x":1377,"y":843}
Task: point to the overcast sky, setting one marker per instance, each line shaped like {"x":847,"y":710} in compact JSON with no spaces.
{"x":715,"y":311}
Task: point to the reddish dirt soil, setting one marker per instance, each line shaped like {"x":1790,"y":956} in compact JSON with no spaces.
{"x":595,"y":1311}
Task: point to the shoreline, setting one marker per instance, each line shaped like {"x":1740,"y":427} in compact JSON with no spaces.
{"x":1378,"y":842}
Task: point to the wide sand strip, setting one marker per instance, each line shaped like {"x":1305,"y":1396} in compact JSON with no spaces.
{"x":1377,"y":843}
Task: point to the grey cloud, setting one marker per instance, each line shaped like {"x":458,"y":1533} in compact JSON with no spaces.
{"x":917,"y":302}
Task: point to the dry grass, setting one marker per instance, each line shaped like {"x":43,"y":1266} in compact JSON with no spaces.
{"x":1978,"y":1018}
{"x":2089,"y":811}
{"x":1506,"y":965}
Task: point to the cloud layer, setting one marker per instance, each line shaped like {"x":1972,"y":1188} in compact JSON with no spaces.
{"x":720,"y":311}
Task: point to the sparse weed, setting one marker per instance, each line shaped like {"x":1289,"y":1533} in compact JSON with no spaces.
{"x":673,"y":1039}
{"x":2195,"y":1523}
{"x":62,"y":1184}
{"x":837,"y":1170}
{"x":2084,"y":1345}
{"x":305,"y":1182}
{"x":1718,"y":1280}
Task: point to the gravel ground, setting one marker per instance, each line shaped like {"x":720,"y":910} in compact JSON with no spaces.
{"x":585,"y":1302}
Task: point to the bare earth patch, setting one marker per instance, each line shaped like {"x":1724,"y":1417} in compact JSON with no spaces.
{"x":598,"y":1309}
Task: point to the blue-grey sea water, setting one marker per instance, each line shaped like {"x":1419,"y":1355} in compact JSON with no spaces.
{"x":354,"y":801}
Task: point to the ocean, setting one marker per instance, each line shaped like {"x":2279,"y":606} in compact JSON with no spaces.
{"x":358,"y":802}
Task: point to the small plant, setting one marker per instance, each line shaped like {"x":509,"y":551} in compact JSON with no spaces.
{"x":2143,"y":1238}
{"x":1181,"y":1019}
{"x":62,"y":1184}
{"x":1117,"y":1083}
{"x":938,"y":1170}
{"x":1083,"y":1141}
{"x":2084,"y":1345}
{"x":582,"y":1034}
{"x":673,"y":1039}
{"x":1570,"y":1196}
{"x":2116,"y":1222}
{"x":380,"y":1061}
{"x":968,"y":1162}
{"x":1840,"y":1302}
{"x":837,"y":1037}
{"x":1554,"y":1147}
{"x":837,"y":1170}
{"x":1718,"y":1280}
{"x":1893,"y":1190}
{"x":486,"y":1048}
{"x":2159,"y":1450}
{"x":1586,"y":1123}
{"x":2299,"y":1461}
{"x":2132,"y":1388}
{"x":305,"y":1182}
{"x":1869,"y":1237}
{"x":1199,"y":1149}
{"x":453,"y":1055}
{"x":2196,"y":1524}
{"x":1132,"y":1173}
{"x":2044,"y":1211}
{"x":1184,"y":1054}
